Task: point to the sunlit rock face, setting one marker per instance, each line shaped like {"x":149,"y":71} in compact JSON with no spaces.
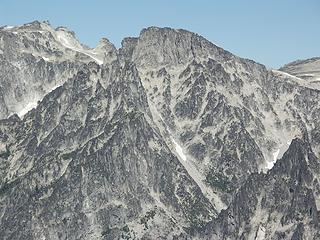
{"x":308,"y":69}
{"x":36,"y":58}
{"x":168,"y":137}
{"x":282,"y":204}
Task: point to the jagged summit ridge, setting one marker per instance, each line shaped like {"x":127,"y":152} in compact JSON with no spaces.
{"x":163,"y":46}
{"x":41,"y":58}
{"x":170,"y":137}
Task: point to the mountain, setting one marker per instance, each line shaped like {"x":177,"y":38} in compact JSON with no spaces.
{"x":308,"y":69}
{"x":167,"y":137}
{"x":281,"y":203}
{"x":35,"y":59}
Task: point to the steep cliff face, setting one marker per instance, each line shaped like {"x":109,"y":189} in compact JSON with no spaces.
{"x":282,"y":204}
{"x":89,"y":162}
{"x":36,"y":58}
{"x":167,"y":137}
{"x":231,"y":116}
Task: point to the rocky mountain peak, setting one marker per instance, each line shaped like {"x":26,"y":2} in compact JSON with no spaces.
{"x":166,"y":46}
{"x":167,"y":137}
{"x":104,"y":44}
{"x":107,"y":49}
{"x":128,"y":45}
{"x":68,"y":38}
{"x":36,"y":25}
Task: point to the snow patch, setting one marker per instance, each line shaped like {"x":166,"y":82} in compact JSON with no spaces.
{"x":34,"y":103}
{"x":285,"y":74}
{"x":179,"y":150}
{"x":27,"y":108}
{"x":307,"y":75}
{"x":275,"y":157}
{"x":9,"y":27}
{"x":276,"y":154}
{"x":94,"y":57}
{"x":54,"y":87}
{"x":261,"y":233}
{"x":193,"y":171}
{"x":69,"y":42}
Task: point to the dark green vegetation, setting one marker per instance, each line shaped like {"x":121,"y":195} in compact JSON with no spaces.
{"x":219,"y":181}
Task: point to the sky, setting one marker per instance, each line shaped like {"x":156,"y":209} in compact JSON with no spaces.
{"x":271,"y":32}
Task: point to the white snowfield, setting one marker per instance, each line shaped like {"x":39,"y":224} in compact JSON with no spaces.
{"x":68,"y":41}
{"x":46,"y":59}
{"x":27,"y":108}
{"x":270,"y":164}
{"x":33,"y":104}
{"x":278,"y":154}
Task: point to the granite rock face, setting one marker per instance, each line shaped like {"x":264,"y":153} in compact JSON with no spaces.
{"x":36,"y":58}
{"x":168,"y":137}
{"x":281,"y":204}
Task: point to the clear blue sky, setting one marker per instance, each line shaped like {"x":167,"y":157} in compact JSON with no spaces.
{"x":272,"y":32}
